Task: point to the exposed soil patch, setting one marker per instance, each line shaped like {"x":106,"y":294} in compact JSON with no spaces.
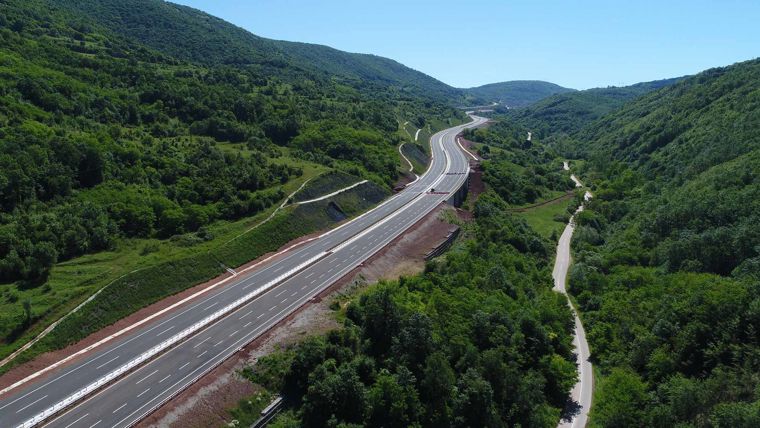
{"x":206,"y":402}
{"x":403,"y":181}
{"x":467,"y":144}
{"x":476,"y":181}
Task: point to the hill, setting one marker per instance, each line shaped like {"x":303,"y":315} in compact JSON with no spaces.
{"x":516,"y":93}
{"x":201,"y":38}
{"x":568,"y":112}
{"x":668,"y":253}
{"x":116,"y":155}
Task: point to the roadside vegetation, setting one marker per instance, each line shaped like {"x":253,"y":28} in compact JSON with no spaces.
{"x":479,"y":339}
{"x":522,"y":172}
{"x":118,"y":154}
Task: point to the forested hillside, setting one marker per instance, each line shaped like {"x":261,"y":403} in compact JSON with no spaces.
{"x":569,"y":112}
{"x":107,"y":141}
{"x":516,"y":93}
{"x":667,"y":272}
{"x":198,"y":37}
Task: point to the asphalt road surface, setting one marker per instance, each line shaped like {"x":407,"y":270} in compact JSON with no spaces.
{"x":583,"y":389}
{"x":309,"y":269}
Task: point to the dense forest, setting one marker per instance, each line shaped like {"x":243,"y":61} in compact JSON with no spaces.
{"x":478,"y":340}
{"x":104,"y":137}
{"x":667,"y":272}
{"x":667,"y":255}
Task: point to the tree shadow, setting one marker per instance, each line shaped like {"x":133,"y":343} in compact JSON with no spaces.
{"x":28,"y":284}
{"x":571,"y":409}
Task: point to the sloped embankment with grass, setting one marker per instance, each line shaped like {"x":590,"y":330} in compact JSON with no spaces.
{"x":144,"y":287}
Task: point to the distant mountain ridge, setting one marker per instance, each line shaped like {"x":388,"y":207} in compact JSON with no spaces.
{"x":682,"y":130}
{"x":569,"y":112}
{"x":517,"y":93}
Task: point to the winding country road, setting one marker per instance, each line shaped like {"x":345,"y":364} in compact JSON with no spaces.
{"x":582,"y":392}
{"x":124,"y":380}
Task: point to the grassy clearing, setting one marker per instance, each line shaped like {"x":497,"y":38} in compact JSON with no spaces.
{"x":544,"y":219}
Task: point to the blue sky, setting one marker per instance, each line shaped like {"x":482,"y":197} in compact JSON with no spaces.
{"x":575,"y":43}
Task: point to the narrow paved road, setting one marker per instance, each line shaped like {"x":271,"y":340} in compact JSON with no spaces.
{"x":116,"y":385}
{"x":583,"y":390}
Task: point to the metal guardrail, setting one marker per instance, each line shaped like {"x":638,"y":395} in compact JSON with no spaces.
{"x":152,"y":352}
{"x":443,"y":246}
{"x":269,"y":412}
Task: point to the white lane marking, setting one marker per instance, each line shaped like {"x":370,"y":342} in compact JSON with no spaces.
{"x":218,"y":343}
{"x":184,"y":365}
{"x":284,"y":300}
{"x":304,"y":287}
{"x":159,"y":334}
{"x":309,"y":275}
{"x":249,"y":323}
{"x":72,"y":424}
{"x":313,"y":281}
{"x":201,"y":342}
{"x":202,"y":353}
{"x":30,"y":404}
{"x":259,"y":316}
{"x":278,"y":294}
{"x":233,"y":333}
{"x":151,"y":374}
{"x":119,"y":408}
{"x":445,"y":153}
{"x":165,"y":377}
{"x":111,"y":360}
{"x":294,"y":293}
{"x":270,"y":309}
{"x":279,"y":268}
{"x":246,"y":314}
{"x":321,"y":276}
{"x":99,"y":421}
{"x":141,"y":394}
{"x":247,"y":286}
{"x":211,"y":305}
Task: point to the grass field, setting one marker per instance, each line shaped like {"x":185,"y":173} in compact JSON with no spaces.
{"x":542,"y":218}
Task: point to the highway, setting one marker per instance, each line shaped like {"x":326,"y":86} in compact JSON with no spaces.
{"x":205,"y":332}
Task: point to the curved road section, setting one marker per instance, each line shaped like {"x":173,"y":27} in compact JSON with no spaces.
{"x":121,"y":382}
{"x":581,"y":393}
